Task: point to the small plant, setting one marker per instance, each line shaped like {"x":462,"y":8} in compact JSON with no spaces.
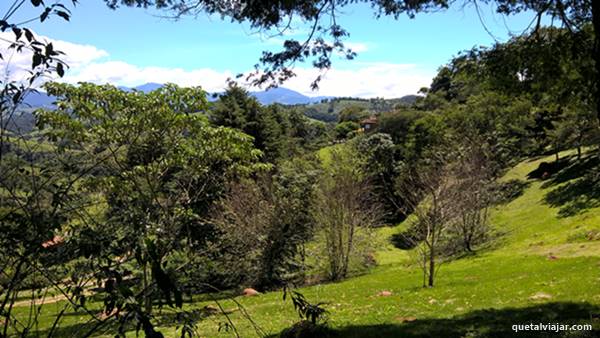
{"x":313,"y":322}
{"x":313,"y":313}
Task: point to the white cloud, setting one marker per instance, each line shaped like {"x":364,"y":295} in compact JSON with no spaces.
{"x":77,"y":56}
{"x":88,"y":64}
{"x":357,"y":47}
{"x":387,"y":80}
{"x":124,"y":74}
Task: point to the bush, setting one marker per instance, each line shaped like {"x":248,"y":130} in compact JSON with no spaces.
{"x":342,"y":130}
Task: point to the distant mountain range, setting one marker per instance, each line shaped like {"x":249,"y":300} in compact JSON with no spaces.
{"x":285,"y":96}
{"x":276,"y":95}
{"x":322,"y":108}
{"x":39,"y":100}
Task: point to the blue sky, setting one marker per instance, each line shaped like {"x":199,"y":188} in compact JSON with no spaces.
{"x":131,"y":46}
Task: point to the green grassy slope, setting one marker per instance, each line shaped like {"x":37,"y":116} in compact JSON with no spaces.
{"x":545,"y":267}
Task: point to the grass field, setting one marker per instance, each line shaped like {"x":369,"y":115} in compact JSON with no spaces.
{"x":544,"y":267}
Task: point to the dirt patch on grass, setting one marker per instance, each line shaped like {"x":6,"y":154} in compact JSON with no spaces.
{"x":540,"y":296}
{"x":406,"y":319}
{"x":566,"y":250}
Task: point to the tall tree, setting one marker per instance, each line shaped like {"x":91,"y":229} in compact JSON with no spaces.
{"x":344,"y":209}
{"x":35,"y":184}
{"x":159,"y":168}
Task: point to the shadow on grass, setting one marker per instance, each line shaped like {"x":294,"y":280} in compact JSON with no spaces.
{"x":485,"y":323}
{"x":84,"y":328}
{"x":407,"y":239}
{"x":577,"y":186}
{"x":506,"y":192}
{"x":480,"y":323}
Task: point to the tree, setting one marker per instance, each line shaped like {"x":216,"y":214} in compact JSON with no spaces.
{"x":352,"y":113}
{"x":397,"y":124}
{"x":33,"y":198}
{"x":578,"y":130}
{"x":345,"y":129}
{"x":474,"y":196}
{"x":158,"y":169}
{"x":277,"y":131}
{"x":344,"y":210}
{"x":430,"y":195}
{"x":526,"y":96}
{"x":379,"y":161}
{"x":232,"y":108}
{"x":265,"y":224}
{"x":284,"y":260}
{"x":497,"y":121}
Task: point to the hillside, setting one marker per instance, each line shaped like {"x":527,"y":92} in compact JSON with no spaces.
{"x":555,"y":259}
{"x":544,"y":267}
{"x":327,"y":110}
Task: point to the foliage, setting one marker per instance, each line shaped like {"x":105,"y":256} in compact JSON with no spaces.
{"x":474,"y":197}
{"x":378,"y":155}
{"x":314,"y":313}
{"x":312,"y":317}
{"x":35,"y":198}
{"x":278,"y":132}
{"x":345,"y":130}
{"x":122,"y":202}
{"x":265,"y":223}
{"x":328,"y":110}
{"x":527,"y":95}
{"x":352,"y":113}
{"x":397,"y":124}
{"x":344,"y":211}
{"x":157,"y":167}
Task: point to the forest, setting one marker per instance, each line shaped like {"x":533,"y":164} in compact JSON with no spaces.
{"x":465,"y":210}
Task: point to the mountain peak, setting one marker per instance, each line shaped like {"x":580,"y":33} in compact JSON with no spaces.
{"x":148,"y":87}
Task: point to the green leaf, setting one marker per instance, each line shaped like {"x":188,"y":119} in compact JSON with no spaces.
{"x":63,"y":14}
{"x":18,"y":32}
{"x":28,"y":34}
{"x":44,"y":15}
{"x":60,"y":69}
{"x":36,"y":60}
{"x":50,"y":50}
{"x":4,"y":25}
{"x":16,"y":97}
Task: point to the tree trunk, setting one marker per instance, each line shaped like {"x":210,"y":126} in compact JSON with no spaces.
{"x":432,"y":251}
{"x":147,"y":299}
{"x":9,"y":299}
{"x":596,"y":56}
{"x":424,"y":254}
{"x":348,"y":251}
{"x":431,"y":266}
{"x":468,"y":244}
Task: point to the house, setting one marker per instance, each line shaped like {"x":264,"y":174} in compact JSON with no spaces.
{"x":368,"y":124}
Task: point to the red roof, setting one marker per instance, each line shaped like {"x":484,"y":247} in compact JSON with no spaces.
{"x":370,"y":120}
{"x":56,"y":240}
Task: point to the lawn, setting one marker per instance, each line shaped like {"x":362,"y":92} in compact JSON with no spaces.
{"x":544,"y":267}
